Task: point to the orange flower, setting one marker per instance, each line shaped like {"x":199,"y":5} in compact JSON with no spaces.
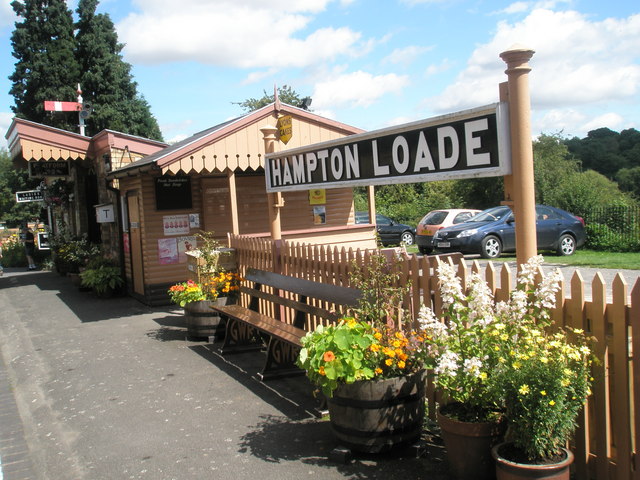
{"x":401,"y":364}
{"x":321,"y":371}
{"x":329,"y":356}
{"x":378,"y":370}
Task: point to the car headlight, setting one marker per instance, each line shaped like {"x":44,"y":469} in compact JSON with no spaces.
{"x":467,"y":233}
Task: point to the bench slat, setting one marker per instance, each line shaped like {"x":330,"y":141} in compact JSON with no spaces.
{"x":322,"y":291}
{"x":291,"y":303}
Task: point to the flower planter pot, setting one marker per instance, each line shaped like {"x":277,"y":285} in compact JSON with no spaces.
{"x":468,"y":446}
{"x":376,"y":415}
{"x":202,"y":321}
{"x":510,"y":470}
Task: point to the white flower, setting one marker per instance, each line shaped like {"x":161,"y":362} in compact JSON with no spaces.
{"x":431,"y":324}
{"x":450,"y":287}
{"x":448,"y":364}
{"x":529,"y":270}
{"x":473,"y":366}
{"x":480,"y":301}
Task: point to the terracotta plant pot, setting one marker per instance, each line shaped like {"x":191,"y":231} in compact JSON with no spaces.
{"x":468,"y":446}
{"x":376,"y":415}
{"x":510,"y":470}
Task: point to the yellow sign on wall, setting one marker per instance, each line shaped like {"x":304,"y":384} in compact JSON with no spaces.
{"x":317,"y":197}
{"x":285,"y":129}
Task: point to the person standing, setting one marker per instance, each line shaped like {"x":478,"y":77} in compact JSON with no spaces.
{"x":29,"y":246}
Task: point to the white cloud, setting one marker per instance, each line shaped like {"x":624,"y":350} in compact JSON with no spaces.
{"x":248,"y":34}
{"x":406,"y":55}
{"x":7,"y":15}
{"x":610,"y":120}
{"x":5,"y":121}
{"x":577,"y":62}
{"x":356,"y":89}
{"x":434,"y":69}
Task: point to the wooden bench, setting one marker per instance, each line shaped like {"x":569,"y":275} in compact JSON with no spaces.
{"x":250,"y":329}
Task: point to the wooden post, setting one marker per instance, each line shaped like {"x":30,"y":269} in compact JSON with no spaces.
{"x":523,"y":190}
{"x":503,"y":90}
{"x":274,"y":200}
{"x":233,"y":196}
{"x":371,"y":197}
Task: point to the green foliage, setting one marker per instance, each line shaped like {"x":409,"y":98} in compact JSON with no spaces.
{"x":13,"y":180}
{"x":47,"y":68}
{"x":102,"y":279}
{"x":369,"y":345}
{"x":546,"y":379}
{"x":285,"y":94}
{"x":604,"y":238}
{"x":629,"y":180}
{"x":577,"y":193}
{"x":72,"y":255}
{"x":106,"y":78}
{"x":552,"y":162}
{"x":52,"y":61}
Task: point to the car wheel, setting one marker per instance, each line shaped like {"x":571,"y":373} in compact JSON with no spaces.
{"x":425,"y":250}
{"x":407,"y":238}
{"x":490,"y":247}
{"x":566,"y":245}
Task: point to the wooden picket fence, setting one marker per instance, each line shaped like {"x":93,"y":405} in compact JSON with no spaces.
{"x":605,"y":443}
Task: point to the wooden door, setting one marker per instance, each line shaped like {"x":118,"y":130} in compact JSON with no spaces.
{"x":135,"y":238}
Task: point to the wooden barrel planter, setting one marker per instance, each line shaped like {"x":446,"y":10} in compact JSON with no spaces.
{"x":202,"y":321}
{"x":376,"y":415}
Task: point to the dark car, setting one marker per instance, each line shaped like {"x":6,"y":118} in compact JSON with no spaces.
{"x":389,"y":231}
{"x":492,"y":232}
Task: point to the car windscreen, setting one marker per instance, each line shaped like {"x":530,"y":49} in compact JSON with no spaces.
{"x":491,"y":215}
{"x":434,"y":218}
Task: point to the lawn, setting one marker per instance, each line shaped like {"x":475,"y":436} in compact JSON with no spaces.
{"x":582,"y":258}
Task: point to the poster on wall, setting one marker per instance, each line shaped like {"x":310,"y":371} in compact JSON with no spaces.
{"x":176,"y":224}
{"x":194,"y":220}
{"x":185,"y":244}
{"x":167,"y":251}
{"x":319,"y":215}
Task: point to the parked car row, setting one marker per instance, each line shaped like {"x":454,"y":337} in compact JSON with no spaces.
{"x":488,"y":233}
{"x":492,"y":232}
{"x":389,"y":231}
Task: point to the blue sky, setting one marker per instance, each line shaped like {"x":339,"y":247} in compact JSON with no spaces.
{"x":372,"y":63}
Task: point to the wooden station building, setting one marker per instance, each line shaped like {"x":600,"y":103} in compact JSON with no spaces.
{"x":150,"y":199}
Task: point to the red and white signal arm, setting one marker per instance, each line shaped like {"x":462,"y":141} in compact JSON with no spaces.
{"x":54,"y":106}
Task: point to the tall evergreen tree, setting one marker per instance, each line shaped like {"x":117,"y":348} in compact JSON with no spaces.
{"x":43,"y":43}
{"x":106,"y":78}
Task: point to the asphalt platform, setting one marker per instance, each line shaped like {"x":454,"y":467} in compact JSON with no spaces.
{"x":112,"y":389}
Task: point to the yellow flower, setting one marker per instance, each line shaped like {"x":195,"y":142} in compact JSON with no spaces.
{"x":388,"y":362}
{"x":375,"y":347}
{"x":552,"y":403}
{"x":378,"y":370}
{"x":524,"y":389}
{"x":377,"y":335}
{"x":483,"y":375}
{"x":401,"y":364}
{"x":543,"y":392}
{"x":397,"y":343}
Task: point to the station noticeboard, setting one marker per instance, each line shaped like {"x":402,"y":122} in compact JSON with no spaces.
{"x":285,"y":128}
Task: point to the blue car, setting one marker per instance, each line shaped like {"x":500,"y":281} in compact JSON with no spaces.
{"x":492,"y":232}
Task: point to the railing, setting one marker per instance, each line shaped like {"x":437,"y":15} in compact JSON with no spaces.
{"x":605,"y":444}
{"x":614,"y":228}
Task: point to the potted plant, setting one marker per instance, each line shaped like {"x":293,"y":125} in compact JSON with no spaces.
{"x":370,"y":368}
{"x":102,"y":276}
{"x":544,"y":376}
{"x":471,"y":413}
{"x":197,"y":298}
